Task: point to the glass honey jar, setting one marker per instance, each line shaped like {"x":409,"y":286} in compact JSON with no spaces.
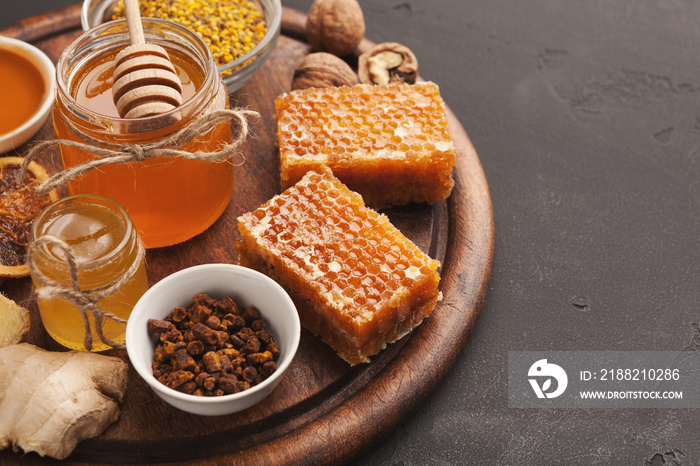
{"x":170,"y":199}
{"x":98,"y":236}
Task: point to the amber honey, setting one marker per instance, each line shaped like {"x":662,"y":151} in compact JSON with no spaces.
{"x":169,"y":199}
{"x":21,"y":90}
{"x":358,"y":282}
{"x":105,"y":246}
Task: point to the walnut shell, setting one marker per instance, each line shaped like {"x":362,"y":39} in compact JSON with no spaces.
{"x":323,"y":69}
{"x":388,"y":62}
{"x":335,"y":26}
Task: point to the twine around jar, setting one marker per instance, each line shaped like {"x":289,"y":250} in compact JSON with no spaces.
{"x":84,"y":300}
{"x":166,"y":147}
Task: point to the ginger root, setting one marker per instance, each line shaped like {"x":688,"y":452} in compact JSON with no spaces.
{"x":50,"y":401}
{"x":14,"y":322}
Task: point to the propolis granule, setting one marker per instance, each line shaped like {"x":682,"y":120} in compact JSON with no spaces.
{"x":390,"y":143}
{"x":231,"y":28}
{"x":358,"y":282}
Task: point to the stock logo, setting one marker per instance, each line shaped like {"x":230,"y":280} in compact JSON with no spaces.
{"x":540,"y":376}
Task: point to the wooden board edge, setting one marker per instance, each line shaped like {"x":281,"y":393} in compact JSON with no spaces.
{"x":39,"y":27}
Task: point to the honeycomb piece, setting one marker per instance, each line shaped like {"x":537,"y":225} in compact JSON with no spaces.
{"x":390,"y":143}
{"x":357,"y":281}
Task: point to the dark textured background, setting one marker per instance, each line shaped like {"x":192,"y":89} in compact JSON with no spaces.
{"x":585,"y":116}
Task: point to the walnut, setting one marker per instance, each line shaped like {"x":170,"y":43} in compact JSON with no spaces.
{"x":335,"y":26}
{"x":322,"y":69}
{"x":388,"y":62}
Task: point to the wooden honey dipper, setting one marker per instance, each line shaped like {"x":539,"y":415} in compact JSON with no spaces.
{"x":145,"y":80}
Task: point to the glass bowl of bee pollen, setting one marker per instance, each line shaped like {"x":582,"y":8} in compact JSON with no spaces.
{"x":240,"y":33}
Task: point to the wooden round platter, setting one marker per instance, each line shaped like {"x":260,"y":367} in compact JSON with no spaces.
{"x":323,"y":411}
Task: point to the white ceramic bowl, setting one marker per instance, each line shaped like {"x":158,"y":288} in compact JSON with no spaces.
{"x":36,"y":57}
{"x":247,"y":288}
{"x":235,"y":73}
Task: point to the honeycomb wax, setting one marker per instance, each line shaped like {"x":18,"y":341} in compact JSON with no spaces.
{"x":357,"y":281}
{"x":390,"y":143}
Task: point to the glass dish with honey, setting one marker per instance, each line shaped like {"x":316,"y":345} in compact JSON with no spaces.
{"x":170,"y":199}
{"x":27,"y":82}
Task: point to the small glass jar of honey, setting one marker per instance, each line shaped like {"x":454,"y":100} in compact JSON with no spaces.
{"x":170,"y":199}
{"x":108,"y":265}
